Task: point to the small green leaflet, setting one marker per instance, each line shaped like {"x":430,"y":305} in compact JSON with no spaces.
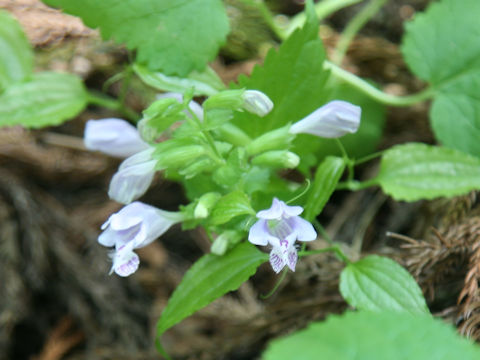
{"x":374,"y":336}
{"x":417,"y":171}
{"x":47,"y":99}
{"x":203,"y":83}
{"x":293,"y":78}
{"x":231,"y":205}
{"x":171,"y":36}
{"x":326,"y":179}
{"x":441,"y":46}
{"x":378,"y":283}
{"x":16,"y":55}
{"x":208,"y":279}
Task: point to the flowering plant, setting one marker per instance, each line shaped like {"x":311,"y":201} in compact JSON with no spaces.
{"x":254,"y":156}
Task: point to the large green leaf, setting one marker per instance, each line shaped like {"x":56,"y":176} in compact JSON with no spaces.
{"x":417,"y":171}
{"x":174,"y":36}
{"x":378,"y":283}
{"x":374,"y":336}
{"x":16,"y":55}
{"x":47,"y":99}
{"x":326,"y":179}
{"x":441,"y":46}
{"x":293,"y":78}
{"x":209,"y":278}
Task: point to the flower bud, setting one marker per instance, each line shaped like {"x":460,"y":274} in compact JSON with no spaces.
{"x":278,"y":159}
{"x":227,"y":99}
{"x":225,"y":241}
{"x":114,"y":137}
{"x":205,"y":204}
{"x":256,"y":102}
{"x":332,"y":120}
{"x":272,"y":140}
{"x":133,"y":177}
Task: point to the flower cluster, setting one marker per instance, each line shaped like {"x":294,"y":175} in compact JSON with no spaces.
{"x":137,"y":224}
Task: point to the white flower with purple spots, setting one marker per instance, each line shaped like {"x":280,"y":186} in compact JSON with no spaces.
{"x":332,"y":120}
{"x":280,"y":226}
{"x":134,"y":226}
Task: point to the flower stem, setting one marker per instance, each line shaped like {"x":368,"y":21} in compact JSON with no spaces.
{"x":279,"y":282}
{"x":113,"y":104}
{"x":354,"y":185}
{"x":347,"y":160}
{"x":373,"y":92}
{"x":334,"y":248}
{"x":368,"y":157}
{"x":354,"y":26}
{"x":322,"y":9}
{"x":217,"y":156}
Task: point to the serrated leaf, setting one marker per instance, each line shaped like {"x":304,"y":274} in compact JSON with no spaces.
{"x":292,"y":77}
{"x":441,"y":46}
{"x":204,"y":83}
{"x":326,"y":179}
{"x":377,"y":283}
{"x":16,"y":55}
{"x":374,"y":336}
{"x":174,"y":37}
{"x":47,"y":99}
{"x":231,"y":205}
{"x":208,"y":279}
{"x":417,"y":171}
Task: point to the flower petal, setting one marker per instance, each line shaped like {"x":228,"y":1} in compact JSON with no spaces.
{"x":259,"y":234}
{"x":333,"y":120}
{"x":129,"y":183}
{"x":303,"y":229}
{"x":291,"y":258}
{"x":277,"y":259}
{"x":115,"y":137}
{"x":275,"y":211}
{"x":125,"y":262}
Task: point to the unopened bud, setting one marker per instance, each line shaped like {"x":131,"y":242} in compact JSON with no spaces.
{"x":256,"y":102}
{"x":205,"y":204}
{"x":278,"y":159}
{"x":225,"y":241}
{"x":273,"y":140}
{"x":228,"y":99}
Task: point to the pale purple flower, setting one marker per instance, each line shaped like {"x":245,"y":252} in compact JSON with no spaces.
{"x":195,"y":107}
{"x":256,"y":102}
{"x":332,"y":120}
{"x":133,"y":177}
{"x":134,"y":226}
{"x":280,"y":226}
{"x":114,"y":137}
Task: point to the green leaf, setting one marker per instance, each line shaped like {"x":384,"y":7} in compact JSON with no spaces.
{"x":174,"y":37}
{"x":231,"y":205}
{"x":48,"y":99}
{"x":417,"y":171}
{"x":292,"y":77}
{"x":204,"y":83}
{"x":374,"y":336}
{"x":441,"y":46}
{"x":16,"y":55}
{"x":208,"y":279}
{"x":327,"y":176}
{"x":378,"y":283}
